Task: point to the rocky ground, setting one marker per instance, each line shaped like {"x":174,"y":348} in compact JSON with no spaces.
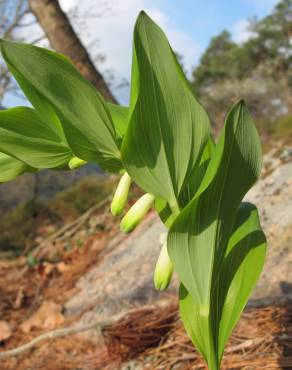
{"x":124,"y":278}
{"x":273,"y":196}
{"x":90,"y":271}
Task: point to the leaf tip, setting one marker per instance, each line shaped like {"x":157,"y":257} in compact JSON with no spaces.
{"x":142,"y":17}
{"x":142,"y":13}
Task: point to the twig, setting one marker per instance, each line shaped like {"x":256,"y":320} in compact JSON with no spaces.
{"x":52,"y":334}
{"x":38,"y":39}
{"x":99,"y":325}
{"x":79,"y":221}
{"x":245,"y":345}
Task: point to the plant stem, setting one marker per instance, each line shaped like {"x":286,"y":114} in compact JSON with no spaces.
{"x":213,"y":364}
{"x":174,"y":208}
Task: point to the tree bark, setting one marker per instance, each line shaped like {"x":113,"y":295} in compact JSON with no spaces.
{"x":63,"y":39}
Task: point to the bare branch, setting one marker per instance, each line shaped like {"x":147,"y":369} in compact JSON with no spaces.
{"x":12,"y":16}
{"x":51,"y":335}
{"x":98,"y":325}
{"x":37,"y":40}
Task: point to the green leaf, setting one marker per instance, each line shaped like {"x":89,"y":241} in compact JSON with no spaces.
{"x":198,"y":173}
{"x":198,"y":238}
{"x":188,"y":191}
{"x":31,"y":260}
{"x":77,"y":104}
{"x":168,"y":128}
{"x":42,"y":106}
{"x":25,"y":136}
{"x":242,"y":265}
{"x":11,"y":167}
{"x":119,"y":115}
{"x":164,"y":211}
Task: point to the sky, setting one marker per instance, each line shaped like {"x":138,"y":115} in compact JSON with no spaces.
{"x":188,"y":24}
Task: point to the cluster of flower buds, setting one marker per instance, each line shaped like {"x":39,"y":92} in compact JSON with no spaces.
{"x":164,"y":268}
{"x":137,"y":212}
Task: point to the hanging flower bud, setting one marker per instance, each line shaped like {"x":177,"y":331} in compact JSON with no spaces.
{"x":136,"y":213}
{"x":75,"y":163}
{"x":121,"y":195}
{"x":163,"y":269}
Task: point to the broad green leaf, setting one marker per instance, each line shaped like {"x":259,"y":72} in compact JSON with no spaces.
{"x":196,"y":176}
{"x":164,"y":211}
{"x":25,"y":136}
{"x":42,"y":106}
{"x":243,"y":263}
{"x":11,"y":167}
{"x":198,"y":238}
{"x":242,"y":266}
{"x":79,"y":107}
{"x":189,"y":190}
{"x":168,"y":128}
{"x":119,"y":115}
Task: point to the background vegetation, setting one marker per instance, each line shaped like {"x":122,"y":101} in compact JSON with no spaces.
{"x":258,"y":70}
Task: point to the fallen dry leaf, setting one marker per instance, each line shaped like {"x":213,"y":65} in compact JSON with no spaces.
{"x":48,"y":268}
{"x":48,"y":316}
{"x":62,"y":267}
{"x":5,"y":330}
{"x":19,"y":298}
{"x":98,"y":244}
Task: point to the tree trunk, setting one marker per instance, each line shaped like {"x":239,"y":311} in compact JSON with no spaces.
{"x":64,"y":40}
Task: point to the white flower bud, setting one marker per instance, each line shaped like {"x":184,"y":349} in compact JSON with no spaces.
{"x":163,"y":269}
{"x":136,"y":213}
{"x":75,"y":163}
{"x":121,"y":195}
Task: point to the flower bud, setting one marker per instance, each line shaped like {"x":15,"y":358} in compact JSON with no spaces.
{"x":75,"y":163}
{"x":163,"y":270}
{"x":136,"y":213}
{"x":121,"y":195}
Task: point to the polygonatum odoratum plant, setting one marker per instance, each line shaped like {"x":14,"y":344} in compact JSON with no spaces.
{"x":163,"y":143}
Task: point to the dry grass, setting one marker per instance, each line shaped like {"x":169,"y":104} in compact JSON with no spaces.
{"x":157,"y":340}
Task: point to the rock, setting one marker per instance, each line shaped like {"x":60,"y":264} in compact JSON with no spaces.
{"x":124,"y":278}
{"x":273,"y":196}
